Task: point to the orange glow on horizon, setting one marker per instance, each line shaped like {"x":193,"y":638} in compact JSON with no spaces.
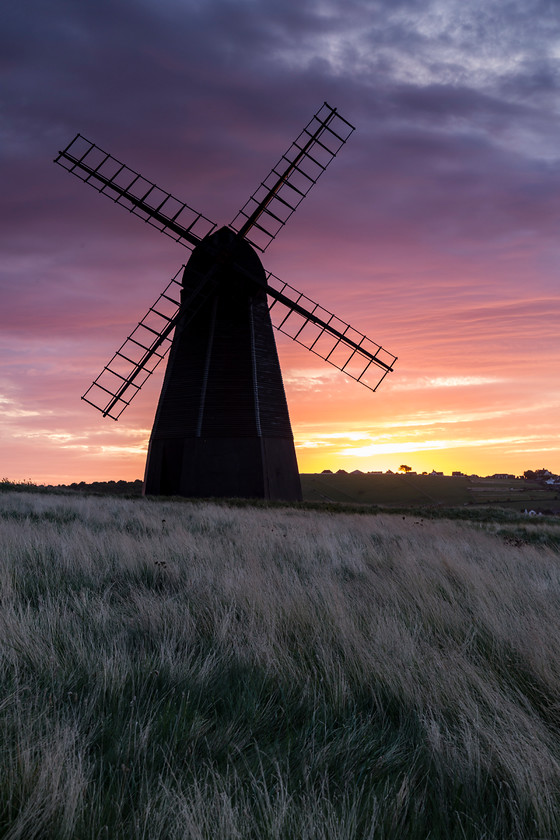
{"x":446,"y":423}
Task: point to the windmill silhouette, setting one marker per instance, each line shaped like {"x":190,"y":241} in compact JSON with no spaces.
{"x":222,"y":426}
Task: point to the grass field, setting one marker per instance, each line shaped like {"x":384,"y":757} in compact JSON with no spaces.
{"x":176,"y":670}
{"x":399,"y":490}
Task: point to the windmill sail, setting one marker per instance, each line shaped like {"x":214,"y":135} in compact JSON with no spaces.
{"x":132,"y":191}
{"x":326,"y":335}
{"x":147,"y":345}
{"x":287,"y":184}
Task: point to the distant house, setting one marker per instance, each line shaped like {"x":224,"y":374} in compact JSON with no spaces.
{"x":457,"y":472}
{"x":434,"y":472}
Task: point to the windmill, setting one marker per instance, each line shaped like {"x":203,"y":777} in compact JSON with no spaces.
{"x":222,"y":426}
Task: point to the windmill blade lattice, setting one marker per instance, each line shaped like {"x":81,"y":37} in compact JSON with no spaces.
{"x":132,"y":191}
{"x":321,"y":332}
{"x":147,"y":345}
{"x":287,"y":184}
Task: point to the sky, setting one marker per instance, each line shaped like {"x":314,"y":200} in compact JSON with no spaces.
{"x":435,"y":231}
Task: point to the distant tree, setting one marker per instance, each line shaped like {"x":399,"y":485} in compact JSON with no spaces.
{"x":405,"y":468}
{"x":536,"y":474}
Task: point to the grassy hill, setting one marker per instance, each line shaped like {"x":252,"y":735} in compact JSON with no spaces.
{"x":176,"y":670}
{"x":399,"y":490}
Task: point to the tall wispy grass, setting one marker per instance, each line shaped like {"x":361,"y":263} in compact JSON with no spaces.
{"x":195,"y":671}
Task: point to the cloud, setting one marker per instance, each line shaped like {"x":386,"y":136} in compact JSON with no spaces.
{"x":444,"y":382}
{"x":407,"y":447}
{"x":11,"y":409}
{"x":311,"y":379}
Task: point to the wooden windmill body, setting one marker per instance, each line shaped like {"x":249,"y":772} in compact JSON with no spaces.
{"x":222,"y":426}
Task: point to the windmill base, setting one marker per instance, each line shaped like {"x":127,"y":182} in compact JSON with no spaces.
{"x":250,"y":468}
